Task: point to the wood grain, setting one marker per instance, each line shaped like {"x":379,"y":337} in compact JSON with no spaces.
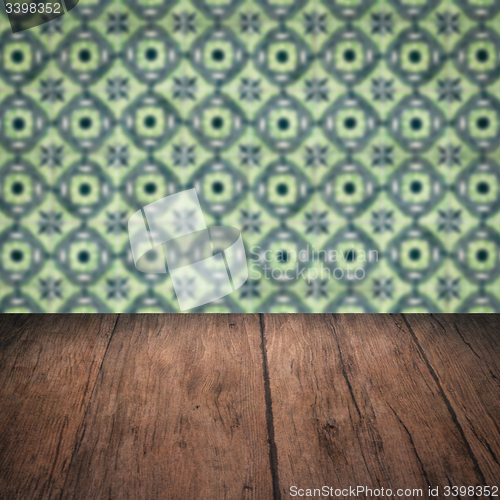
{"x":354,"y":403}
{"x":462,"y":351}
{"x":178,"y":412}
{"x":245,"y":406}
{"x":47,"y":373}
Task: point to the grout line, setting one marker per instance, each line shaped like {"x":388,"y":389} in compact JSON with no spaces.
{"x":77,"y":444}
{"x":273,"y":450}
{"x":447,"y":402}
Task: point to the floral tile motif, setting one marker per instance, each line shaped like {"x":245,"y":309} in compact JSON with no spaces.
{"x":354,"y":144}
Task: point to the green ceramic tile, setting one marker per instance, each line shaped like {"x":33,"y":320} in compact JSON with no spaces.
{"x":354,"y":144}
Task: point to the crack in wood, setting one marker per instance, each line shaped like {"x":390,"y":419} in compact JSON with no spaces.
{"x":447,"y":402}
{"x":273,"y":450}
{"x":82,"y":423}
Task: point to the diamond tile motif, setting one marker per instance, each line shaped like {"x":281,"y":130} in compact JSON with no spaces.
{"x":354,"y":143}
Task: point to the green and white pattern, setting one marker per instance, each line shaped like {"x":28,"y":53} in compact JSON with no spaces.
{"x":355,"y":143}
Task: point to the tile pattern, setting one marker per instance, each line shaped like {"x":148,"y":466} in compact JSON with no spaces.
{"x":354,"y":143}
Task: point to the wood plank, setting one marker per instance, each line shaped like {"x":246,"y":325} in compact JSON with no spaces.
{"x":178,"y":412}
{"x":354,"y":404}
{"x":47,"y":371}
{"x":463,"y":352}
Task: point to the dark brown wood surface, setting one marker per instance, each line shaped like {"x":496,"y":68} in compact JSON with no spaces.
{"x":48,"y":370}
{"x":462,"y":352}
{"x":178,"y":411}
{"x":246,"y":406}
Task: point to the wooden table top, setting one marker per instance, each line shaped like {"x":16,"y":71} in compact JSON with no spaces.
{"x":246,"y":406}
